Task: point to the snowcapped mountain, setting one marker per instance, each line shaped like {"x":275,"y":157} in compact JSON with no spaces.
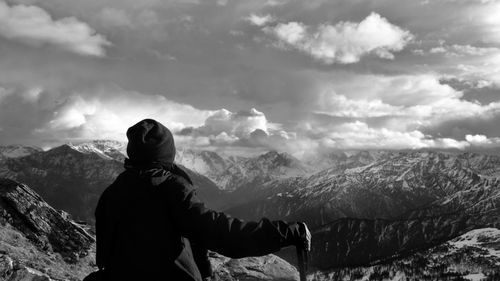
{"x":107,"y":148}
{"x":342,"y":160}
{"x":232,"y":173}
{"x":222,"y":171}
{"x":15,"y":151}
{"x":229,"y":173}
{"x":390,"y":187}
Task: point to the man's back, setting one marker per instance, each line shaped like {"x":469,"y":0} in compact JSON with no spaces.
{"x":135,"y":233}
{"x":148,"y":218}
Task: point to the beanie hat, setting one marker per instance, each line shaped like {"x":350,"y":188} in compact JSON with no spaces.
{"x":149,"y":141}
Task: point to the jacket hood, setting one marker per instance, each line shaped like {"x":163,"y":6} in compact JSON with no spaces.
{"x":156,"y":172}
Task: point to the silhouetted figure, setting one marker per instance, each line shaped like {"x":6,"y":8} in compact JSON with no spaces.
{"x":151,"y":225}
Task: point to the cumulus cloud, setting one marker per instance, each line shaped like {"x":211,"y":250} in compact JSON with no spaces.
{"x":404,"y":111}
{"x":240,"y":124}
{"x":359,"y":135}
{"x":260,"y":20}
{"x":339,"y":105}
{"x":456,"y":50}
{"x":103,"y":113}
{"x":110,"y":116}
{"x":35,"y":26}
{"x":482,"y":141}
{"x":345,"y":42}
{"x":415,"y":97}
{"x":245,"y":130}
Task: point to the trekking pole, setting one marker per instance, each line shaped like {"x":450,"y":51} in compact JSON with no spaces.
{"x":302,"y":252}
{"x":302,"y":259}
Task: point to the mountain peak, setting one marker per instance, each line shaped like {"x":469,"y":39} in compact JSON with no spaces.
{"x":104,"y":148}
{"x":280,"y":158}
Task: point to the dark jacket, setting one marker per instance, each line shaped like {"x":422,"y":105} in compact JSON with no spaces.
{"x":146,"y":221}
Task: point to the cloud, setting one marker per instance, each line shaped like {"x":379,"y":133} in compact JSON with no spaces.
{"x":243,"y":131}
{"x":102,"y":113}
{"x":345,"y":42}
{"x":239,"y":124}
{"x":338,"y":105}
{"x":260,"y":20}
{"x":412,"y":111}
{"x":113,"y":17}
{"x":417,"y":98}
{"x":4,"y":93}
{"x":456,"y":50}
{"x":359,"y":135}
{"x":35,"y":26}
{"x":481,"y":140}
{"x":110,"y":116}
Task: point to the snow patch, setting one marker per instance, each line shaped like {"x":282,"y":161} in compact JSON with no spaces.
{"x":475,"y":277}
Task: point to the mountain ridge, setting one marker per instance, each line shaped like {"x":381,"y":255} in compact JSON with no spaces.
{"x":382,"y":205}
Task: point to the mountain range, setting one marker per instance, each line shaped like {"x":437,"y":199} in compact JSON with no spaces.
{"x":367,"y":209}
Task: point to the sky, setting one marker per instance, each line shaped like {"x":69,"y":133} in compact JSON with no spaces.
{"x":243,"y":76}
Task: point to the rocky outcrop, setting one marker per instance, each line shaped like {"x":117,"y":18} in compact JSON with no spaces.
{"x":265,"y":268}
{"x":11,"y":271}
{"x":27,"y":212}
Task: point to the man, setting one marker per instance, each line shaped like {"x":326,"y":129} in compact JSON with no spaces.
{"x":150,"y":224}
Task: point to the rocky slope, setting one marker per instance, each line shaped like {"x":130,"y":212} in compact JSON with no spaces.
{"x":265,"y":268}
{"x":37,"y":240}
{"x":40,"y":243}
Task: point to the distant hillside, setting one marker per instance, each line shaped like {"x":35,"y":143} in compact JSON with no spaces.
{"x":14,"y":151}
{"x":398,"y":204}
{"x":474,"y":255}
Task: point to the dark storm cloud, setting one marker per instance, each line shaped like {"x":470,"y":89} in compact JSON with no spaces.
{"x":482,"y":91}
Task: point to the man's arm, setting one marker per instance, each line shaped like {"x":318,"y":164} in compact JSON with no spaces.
{"x":219,"y":232}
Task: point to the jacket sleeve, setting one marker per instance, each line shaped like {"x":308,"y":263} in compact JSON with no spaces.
{"x":221,"y":233}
